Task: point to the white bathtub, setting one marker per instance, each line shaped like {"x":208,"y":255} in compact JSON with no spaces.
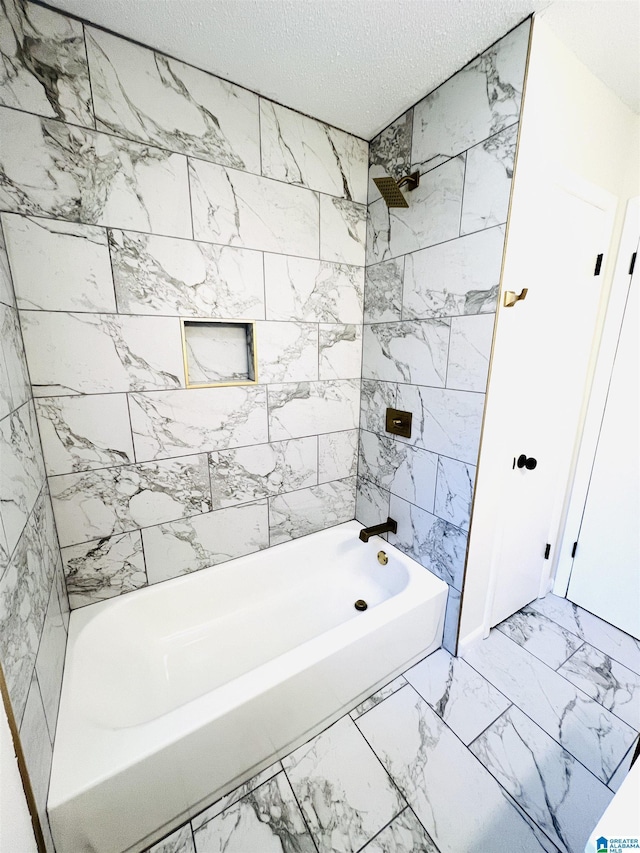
{"x":176,"y":693}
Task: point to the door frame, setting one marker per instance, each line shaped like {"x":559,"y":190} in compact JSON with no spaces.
{"x":608,"y":203}
{"x":594,"y":414}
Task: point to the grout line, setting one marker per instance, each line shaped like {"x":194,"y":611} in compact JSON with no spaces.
{"x":92,"y":109}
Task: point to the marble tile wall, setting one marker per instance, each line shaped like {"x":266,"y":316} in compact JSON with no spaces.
{"x":34,"y":608}
{"x":431,"y":284}
{"x":137,"y":190}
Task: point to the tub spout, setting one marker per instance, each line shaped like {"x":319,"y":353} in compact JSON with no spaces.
{"x":388,"y":526}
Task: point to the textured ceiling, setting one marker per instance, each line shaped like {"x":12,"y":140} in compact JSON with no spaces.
{"x":356,"y":64}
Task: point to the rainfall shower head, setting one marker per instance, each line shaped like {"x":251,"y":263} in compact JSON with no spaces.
{"x":390,"y":189}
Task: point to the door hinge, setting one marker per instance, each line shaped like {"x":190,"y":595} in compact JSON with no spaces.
{"x":547,"y":551}
{"x":633,"y":263}
{"x":598,"y":264}
{"x":574,"y":549}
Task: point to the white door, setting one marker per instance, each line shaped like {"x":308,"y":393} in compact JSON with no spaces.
{"x":541,"y":359}
{"x":605,"y":578}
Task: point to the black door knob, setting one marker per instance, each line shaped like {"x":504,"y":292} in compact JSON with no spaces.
{"x":526,"y":462}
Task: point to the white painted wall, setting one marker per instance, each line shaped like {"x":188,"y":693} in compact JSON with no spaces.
{"x":571,"y":124}
{"x":16,"y":833}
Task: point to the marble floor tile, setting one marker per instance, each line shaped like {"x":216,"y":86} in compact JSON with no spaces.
{"x":345,"y":795}
{"x":268,"y":820}
{"x":543,"y":638}
{"x":563,"y":798}
{"x":461,"y":811}
{"x":607,"y":681}
{"x":378,"y":696}
{"x":237,"y":794}
{"x":609,"y":639}
{"x":622,"y":770}
{"x":457,"y":693}
{"x":180,"y":841}
{"x":405,"y":834}
{"x":585,"y":729}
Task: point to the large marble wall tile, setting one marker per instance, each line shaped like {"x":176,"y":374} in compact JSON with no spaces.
{"x":412,"y":351}
{"x":309,"y":510}
{"x":399,"y":468}
{"x":6,"y":286}
{"x":239,"y":209}
{"x":585,"y":729}
{"x":80,"y":433}
{"x":446,"y":422}
{"x":16,"y":389}
{"x":383,"y":291}
{"x":376,"y":398}
{"x":563,"y":798}
{"x":21,"y":470}
{"x":61,"y":589}
{"x":165,"y":275}
{"x":433,"y":215}
{"x":405,"y":834}
{"x":345,"y":794}
{"x":267,"y":819}
{"x":390,"y":152}
{"x":104,"y":568}
{"x":454,"y":491}
{"x":343,"y":231}
{"x":540,"y":636}
{"x":261,"y":470}
{"x":337,"y":455}
{"x":481,"y":99}
{"x":144,"y":95}
{"x":340,"y":351}
{"x":94,"y":353}
{"x":457,"y":277}
{"x":97,"y":504}
{"x":451,"y":621}
{"x":38,"y":753}
{"x":487,"y":182}
{"x":609,"y":639}
{"x":469,"y":352}
{"x":44,"y":64}
{"x":50,"y":660}
{"x":466,"y":810}
{"x":457,"y":693}
{"x":205,"y":540}
{"x":54,"y":169}
{"x":287,"y":352}
{"x":24,"y":595}
{"x":59,"y":266}
{"x":372,"y":503}
{"x":309,"y":408}
{"x":607,"y":681}
{"x":300,"y":150}
{"x":432,"y":542}
{"x":309,"y":290}
{"x":196,"y":420}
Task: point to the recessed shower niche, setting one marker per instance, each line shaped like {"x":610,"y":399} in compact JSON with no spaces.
{"x":219,"y":352}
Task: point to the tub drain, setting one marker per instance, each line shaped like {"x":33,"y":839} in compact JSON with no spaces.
{"x":361,"y":604}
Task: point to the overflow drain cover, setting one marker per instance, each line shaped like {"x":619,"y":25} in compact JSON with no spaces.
{"x":361,"y":604}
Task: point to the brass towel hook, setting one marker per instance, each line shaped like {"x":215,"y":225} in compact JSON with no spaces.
{"x":510,"y":298}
